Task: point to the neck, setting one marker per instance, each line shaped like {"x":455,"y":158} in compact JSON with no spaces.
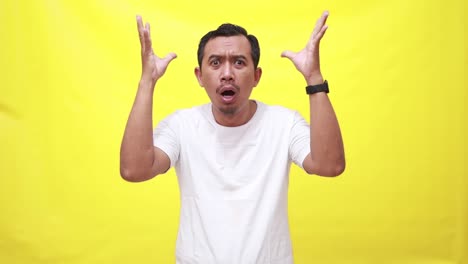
{"x":237,"y":118}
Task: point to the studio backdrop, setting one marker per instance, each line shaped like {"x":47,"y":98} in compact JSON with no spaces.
{"x":69,"y":75}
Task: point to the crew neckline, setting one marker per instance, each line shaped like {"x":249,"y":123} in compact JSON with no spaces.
{"x":258,"y":111}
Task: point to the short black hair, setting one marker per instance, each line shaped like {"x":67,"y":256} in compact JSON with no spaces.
{"x":228,"y":30}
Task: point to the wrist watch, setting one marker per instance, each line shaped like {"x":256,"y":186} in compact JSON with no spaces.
{"x":312,"y":89}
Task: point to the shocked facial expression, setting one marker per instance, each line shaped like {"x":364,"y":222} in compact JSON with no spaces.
{"x":228,"y":74}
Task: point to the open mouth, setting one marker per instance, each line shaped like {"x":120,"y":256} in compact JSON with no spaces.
{"x":228,"y":95}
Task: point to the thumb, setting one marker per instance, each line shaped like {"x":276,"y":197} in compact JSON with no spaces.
{"x":169,"y":57}
{"x":288,"y":54}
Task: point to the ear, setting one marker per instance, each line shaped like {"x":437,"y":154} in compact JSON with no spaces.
{"x":198,"y":74}
{"x":258,"y":75}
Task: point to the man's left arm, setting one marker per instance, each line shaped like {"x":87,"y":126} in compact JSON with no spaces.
{"x":326,"y":157}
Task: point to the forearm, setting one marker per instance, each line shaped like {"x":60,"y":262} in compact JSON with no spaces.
{"x":326,"y":143}
{"x":326,"y":156}
{"x":136,"y":153}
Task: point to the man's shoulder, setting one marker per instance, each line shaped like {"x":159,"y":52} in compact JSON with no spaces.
{"x":192,"y":112}
{"x":277,"y":110}
{"x":188,"y":116}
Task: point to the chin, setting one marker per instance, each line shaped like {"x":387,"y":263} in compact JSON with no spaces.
{"x":228,"y":110}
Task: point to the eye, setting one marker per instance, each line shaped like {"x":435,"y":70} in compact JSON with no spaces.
{"x":215,"y":62}
{"x":239,"y":62}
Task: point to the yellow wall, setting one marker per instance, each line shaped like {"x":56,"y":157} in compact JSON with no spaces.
{"x":69,"y":72}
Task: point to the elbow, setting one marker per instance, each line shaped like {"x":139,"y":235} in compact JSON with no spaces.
{"x":133,"y":175}
{"x":331,"y":170}
{"x":337,"y":169}
{"x":128,"y":175}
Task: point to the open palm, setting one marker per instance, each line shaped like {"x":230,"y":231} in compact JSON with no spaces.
{"x":153,"y":67}
{"x":307,"y":60}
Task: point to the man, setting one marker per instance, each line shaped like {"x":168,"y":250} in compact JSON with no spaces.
{"x":232,"y":156}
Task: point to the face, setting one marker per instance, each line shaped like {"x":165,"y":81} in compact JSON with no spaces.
{"x":228,"y":75}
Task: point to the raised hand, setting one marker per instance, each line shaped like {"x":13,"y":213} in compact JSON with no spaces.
{"x":153,"y":67}
{"x":307,"y":61}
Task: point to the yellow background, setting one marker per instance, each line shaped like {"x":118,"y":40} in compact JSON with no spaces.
{"x":69,"y":73}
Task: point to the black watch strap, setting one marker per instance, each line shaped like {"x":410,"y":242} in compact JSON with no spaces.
{"x":311,"y":89}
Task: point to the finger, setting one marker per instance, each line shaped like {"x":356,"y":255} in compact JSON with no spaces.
{"x":321,"y":21}
{"x":169,"y":57}
{"x":147,"y":40}
{"x":166,"y":60}
{"x":288,"y":54}
{"x":140,"y":31}
{"x":147,"y":26}
{"x":321,"y":33}
{"x":318,"y":27}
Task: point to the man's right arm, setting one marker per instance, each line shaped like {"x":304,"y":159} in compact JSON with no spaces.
{"x":139,"y":159}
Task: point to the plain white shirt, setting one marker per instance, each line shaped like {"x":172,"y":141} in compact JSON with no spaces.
{"x":233,"y":183}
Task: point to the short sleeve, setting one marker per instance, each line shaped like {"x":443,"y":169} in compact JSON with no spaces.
{"x":165,"y":137}
{"x":299,"y":141}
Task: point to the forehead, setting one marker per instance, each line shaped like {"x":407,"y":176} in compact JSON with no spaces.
{"x":238,"y":45}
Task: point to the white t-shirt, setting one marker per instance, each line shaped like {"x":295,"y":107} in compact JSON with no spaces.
{"x":233,"y":183}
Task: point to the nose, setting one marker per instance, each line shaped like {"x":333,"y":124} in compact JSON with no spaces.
{"x":227,"y":74}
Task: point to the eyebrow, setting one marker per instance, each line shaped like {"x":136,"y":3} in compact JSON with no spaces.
{"x":214,"y":56}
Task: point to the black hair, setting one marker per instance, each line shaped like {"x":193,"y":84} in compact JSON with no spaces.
{"x":228,"y":30}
